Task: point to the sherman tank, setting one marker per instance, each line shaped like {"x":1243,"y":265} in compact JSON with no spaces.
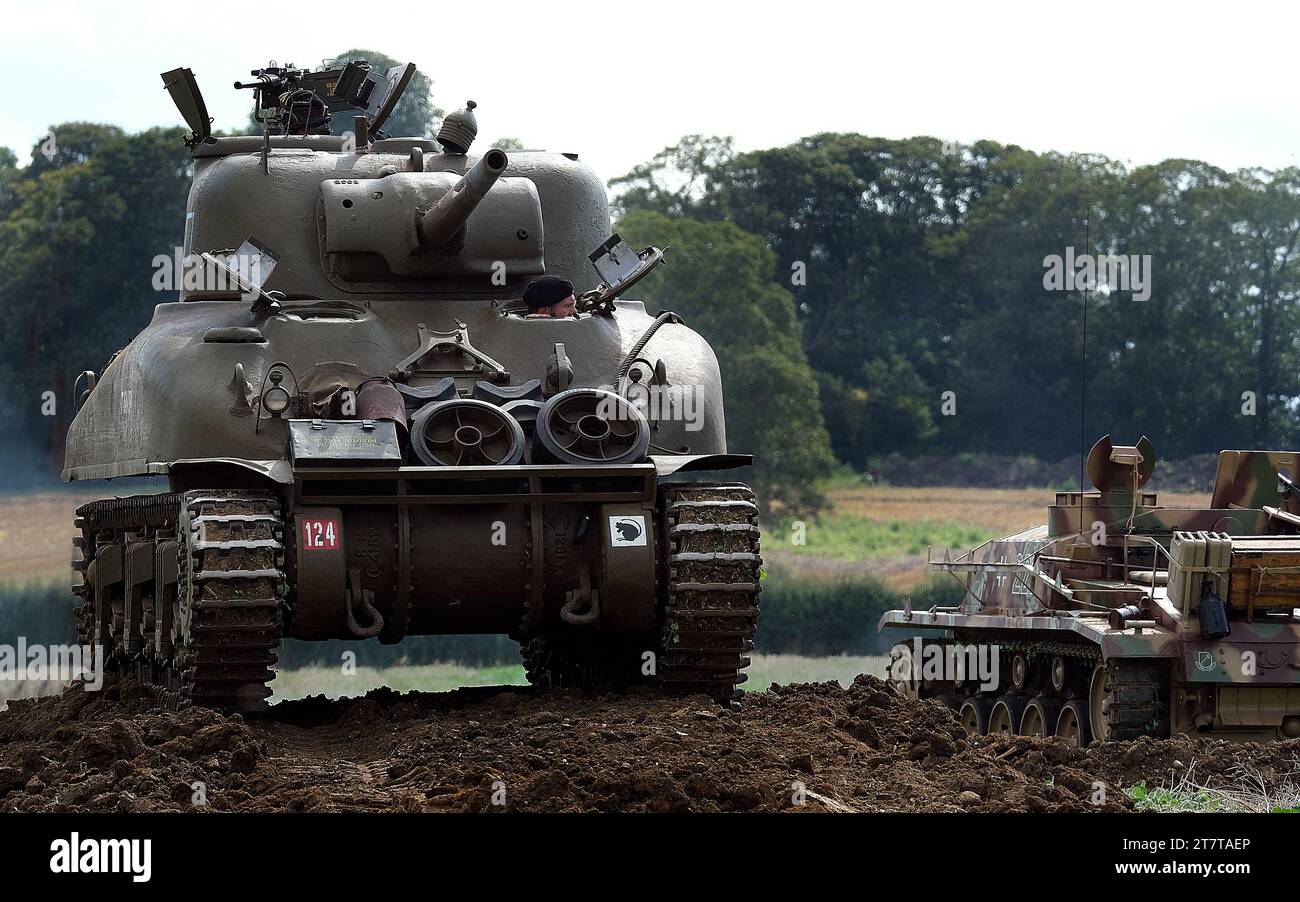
{"x":1123,"y":618}
{"x":366,"y":435}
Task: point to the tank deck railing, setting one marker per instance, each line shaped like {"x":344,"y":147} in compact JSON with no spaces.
{"x":1020,"y":570}
{"x":1023,"y":570}
{"x":966,"y":557}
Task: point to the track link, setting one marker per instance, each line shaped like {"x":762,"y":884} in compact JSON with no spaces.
{"x":214,"y":645}
{"x":232,"y":595}
{"x":711,"y":588}
{"x":1137,"y":703}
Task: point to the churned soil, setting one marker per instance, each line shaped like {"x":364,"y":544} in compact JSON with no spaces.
{"x":799,"y":748}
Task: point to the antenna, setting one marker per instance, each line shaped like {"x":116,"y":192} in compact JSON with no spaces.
{"x":1083,"y":368}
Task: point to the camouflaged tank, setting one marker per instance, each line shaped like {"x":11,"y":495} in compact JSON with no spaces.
{"x":367,"y":436}
{"x":1122,"y":618}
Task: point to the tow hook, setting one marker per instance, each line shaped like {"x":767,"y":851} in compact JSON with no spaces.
{"x":366,"y":598}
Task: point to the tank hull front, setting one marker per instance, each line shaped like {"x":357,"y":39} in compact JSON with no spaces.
{"x":446,"y":550}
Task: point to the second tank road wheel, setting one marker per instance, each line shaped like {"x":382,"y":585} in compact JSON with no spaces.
{"x":1040,"y":716}
{"x":1004,"y":719}
{"x":1072,"y":723}
{"x":974,"y":715}
{"x":1060,"y":673}
{"x":1019,"y":671}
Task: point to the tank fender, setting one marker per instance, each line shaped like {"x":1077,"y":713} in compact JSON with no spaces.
{"x":668,"y":464}
{"x":226,"y":472}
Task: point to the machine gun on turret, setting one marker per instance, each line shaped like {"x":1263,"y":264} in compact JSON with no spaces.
{"x":301,"y":102}
{"x":292,"y":101}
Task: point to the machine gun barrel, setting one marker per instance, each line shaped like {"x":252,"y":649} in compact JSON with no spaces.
{"x":444,"y":220}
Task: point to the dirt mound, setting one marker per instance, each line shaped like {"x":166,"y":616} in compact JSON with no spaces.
{"x":112,"y":751}
{"x":810,"y":747}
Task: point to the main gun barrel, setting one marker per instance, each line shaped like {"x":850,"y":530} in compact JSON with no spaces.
{"x":444,"y":220}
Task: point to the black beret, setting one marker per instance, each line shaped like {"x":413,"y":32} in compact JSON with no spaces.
{"x":547,"y":291}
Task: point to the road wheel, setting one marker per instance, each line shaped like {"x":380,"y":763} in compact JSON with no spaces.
{"x":1060,"y":673}
{"x":1072,"y":723}
{"x":1099,"y":703}
{"x":1039,"y":718}
{"x":1019,"y":671}
{"x":1004,"y":719}
{"x":974,"y":716}
{"x":1128,"y":699}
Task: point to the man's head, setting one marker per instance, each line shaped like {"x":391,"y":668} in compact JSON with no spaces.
{"x":550,"y":296}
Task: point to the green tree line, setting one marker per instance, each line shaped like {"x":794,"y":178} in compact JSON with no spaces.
{"x":916,"y":269}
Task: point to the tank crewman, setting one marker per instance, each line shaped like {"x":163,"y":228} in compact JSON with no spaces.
{"x":550,"y":296}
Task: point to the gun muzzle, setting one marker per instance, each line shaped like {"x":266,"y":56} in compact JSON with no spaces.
{"x":444,"y":221}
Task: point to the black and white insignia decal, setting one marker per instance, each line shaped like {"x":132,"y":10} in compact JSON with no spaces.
{"x":626,"y":531}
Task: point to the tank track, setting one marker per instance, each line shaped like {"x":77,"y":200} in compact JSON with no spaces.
{"x":214,"y":646}
{"x":1078,"y":650}
{"x":104,"y":522}
{"x":711,"y":586}
{"x":1137,"y":699}
{"x":1138,"y":688}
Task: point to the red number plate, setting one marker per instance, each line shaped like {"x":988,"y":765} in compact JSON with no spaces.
{"x":320,"y":534}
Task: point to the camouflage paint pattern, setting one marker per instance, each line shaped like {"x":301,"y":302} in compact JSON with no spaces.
{"x":1100,"y":551}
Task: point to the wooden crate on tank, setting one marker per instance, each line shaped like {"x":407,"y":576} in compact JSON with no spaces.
{"x":1265,"y":573}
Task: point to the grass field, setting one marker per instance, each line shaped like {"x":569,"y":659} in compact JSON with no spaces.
{"x":853,"y":537}
{"x":885,"y":531}
{"x":1250,"y":792}
{"x":332,"y":682}
{"x":36,"y":535}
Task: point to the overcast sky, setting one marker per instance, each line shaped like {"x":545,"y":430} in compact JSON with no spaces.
{"x":617,"y":81}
